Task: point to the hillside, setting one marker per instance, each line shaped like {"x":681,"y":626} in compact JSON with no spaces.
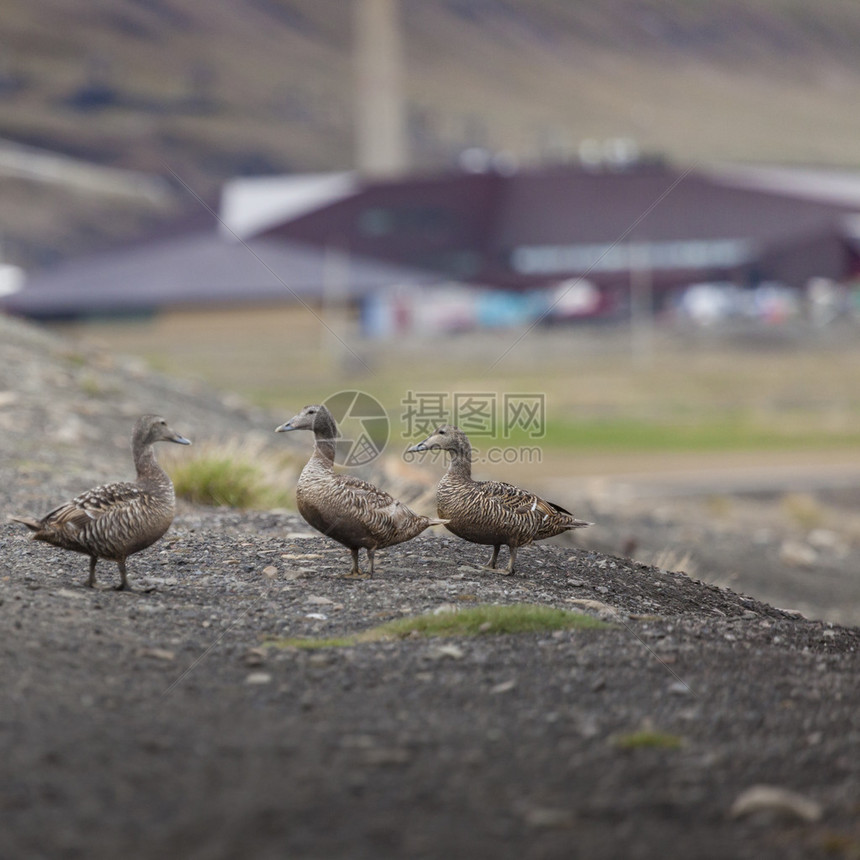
{"x":182,"y":720}
{"x":202,"y":91}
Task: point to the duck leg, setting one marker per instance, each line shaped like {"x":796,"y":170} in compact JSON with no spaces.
{"x":510,"y":568}
{"x":123,"y":579}
{"x":356,"y":573}
{"x":492,"y":564}
{"x":370,"y":553}
{"x":91,"y":582}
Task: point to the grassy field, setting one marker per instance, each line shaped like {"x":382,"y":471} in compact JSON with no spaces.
{"x":770,"y":397}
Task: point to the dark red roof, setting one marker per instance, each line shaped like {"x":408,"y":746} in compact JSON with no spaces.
{"x":537,"y":226}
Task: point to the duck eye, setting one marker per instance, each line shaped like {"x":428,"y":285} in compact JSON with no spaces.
{"x":441,"y":432}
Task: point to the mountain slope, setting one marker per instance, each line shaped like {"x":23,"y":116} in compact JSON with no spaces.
{"x":224,"y":87}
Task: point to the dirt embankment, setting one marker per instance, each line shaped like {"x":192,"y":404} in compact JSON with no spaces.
{"x":163,"y":723}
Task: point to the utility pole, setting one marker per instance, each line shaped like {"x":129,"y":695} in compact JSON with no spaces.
{"x":379,"y":115}
{"x":641,"y":305}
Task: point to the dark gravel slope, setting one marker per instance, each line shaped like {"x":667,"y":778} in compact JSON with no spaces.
{"x":160,"y":724}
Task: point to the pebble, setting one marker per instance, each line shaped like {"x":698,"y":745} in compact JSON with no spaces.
{"x":680,"y":688}
{"x":158,"y":654}
{"x":775,"y":800}
{"x":449,"y":651}
{"x":442,"y":608}
{"x":258,"y":678}
{"x":255,"y":657}
{"x":504,"y":687}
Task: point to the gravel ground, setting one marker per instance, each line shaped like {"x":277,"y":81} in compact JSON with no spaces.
{"x":161,"y":723}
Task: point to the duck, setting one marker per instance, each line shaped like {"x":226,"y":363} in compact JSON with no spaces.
{"x":490,"y":512}
{"x":114,"y":521}
{"x":346,"y":509}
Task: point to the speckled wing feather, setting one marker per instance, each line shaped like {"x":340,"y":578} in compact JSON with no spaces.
{"x":111,"y":521}
{"x":383,"y":515}
{"x":92,"y":504}
{"x":497,"y":512}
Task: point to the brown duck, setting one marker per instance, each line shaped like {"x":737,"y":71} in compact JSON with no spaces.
{"x":114,"y":521}
{"x":345,"y":508}
{"x":490,"y":512}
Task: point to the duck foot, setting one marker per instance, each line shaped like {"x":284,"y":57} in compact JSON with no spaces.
{"x":358,"y":575}
{"x":503,"y":571}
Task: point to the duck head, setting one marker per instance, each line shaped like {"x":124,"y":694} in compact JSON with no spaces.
{"x":445,"y":438}
{"x":314,"y":418}
{"x":150,"y":429}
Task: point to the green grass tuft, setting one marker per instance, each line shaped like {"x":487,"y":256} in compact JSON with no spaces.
{"x":648,"y":739}
{"x":494,"y":620}
{"x":239,"y":476}
{"x":314,"y":644}
{"x":474,"y":621}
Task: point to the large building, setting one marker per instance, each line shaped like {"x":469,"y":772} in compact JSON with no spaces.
{"x":473,"y":247}
{"x":523,"y":229}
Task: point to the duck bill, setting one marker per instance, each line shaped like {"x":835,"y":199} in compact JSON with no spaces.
{"x":180,"y":440}
{"x":421,"y":446}
{"x":285,"y":428}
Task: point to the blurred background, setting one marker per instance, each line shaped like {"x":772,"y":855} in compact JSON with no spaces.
{"x":645,"y":213}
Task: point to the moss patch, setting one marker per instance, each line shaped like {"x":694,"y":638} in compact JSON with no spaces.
{"x":475,"y":621}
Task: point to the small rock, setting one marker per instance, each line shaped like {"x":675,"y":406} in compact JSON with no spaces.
{"x":270,"y":571}
{"x":258,"y":678}
{"x":575,"y":583}
{"x":442,"y":608}
{"x":504,"y":687}
{"x":680,"y":688}
{"x":318,"y":600}
{"x":775,"y":800}
{"x":158,"y":654}
{"x":449,"y":651}
{"x":604,"y":610}
{"x":317,"y":616}
{"x":255,"y":657}
{"x":67,"y":592}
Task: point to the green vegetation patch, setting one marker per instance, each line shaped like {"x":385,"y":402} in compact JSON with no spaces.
{"x":474,"y":621}
{"x":706,"y":433}
{"x":494,"y":620}
{"x":234,"y":475}
{"x":314,"y":644}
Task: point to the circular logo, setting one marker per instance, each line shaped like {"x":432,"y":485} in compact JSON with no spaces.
{"x":363,"y":425}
